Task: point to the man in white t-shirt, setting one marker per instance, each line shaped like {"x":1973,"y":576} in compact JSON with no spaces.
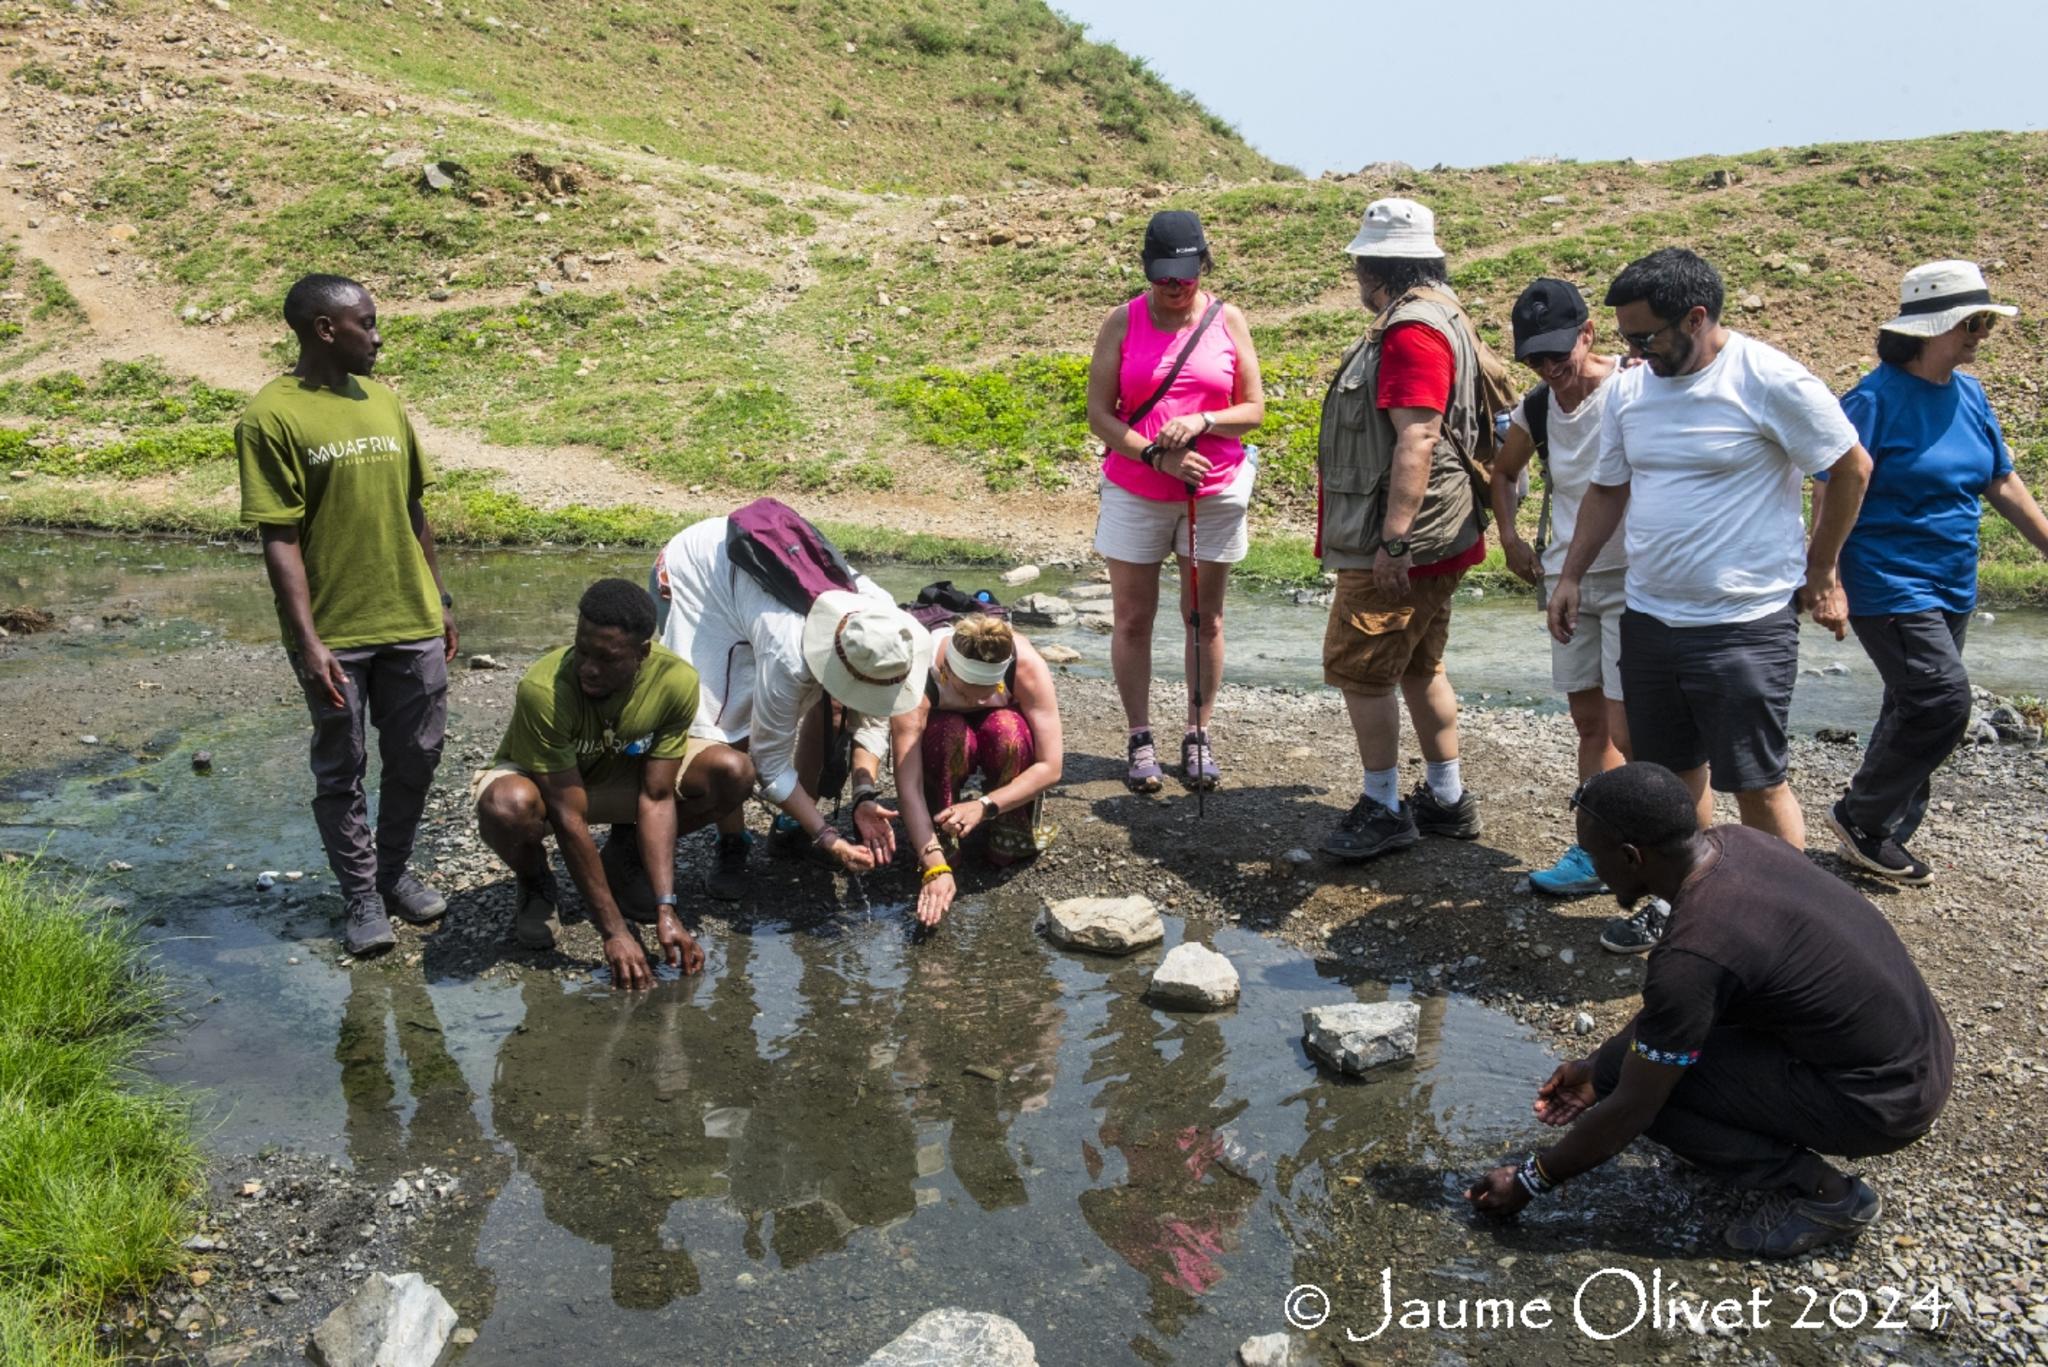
{"x":1558,"y":423}
{"x":1707,"y":447}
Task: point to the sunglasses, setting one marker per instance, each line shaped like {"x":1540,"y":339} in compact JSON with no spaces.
{"x":1579,"y":804}
{"x":1544,"y":360}
{"x":1640,"y":341}
{"x":1980,"y":325}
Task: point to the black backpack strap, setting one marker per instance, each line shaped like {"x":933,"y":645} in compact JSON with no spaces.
{"x":1536,"y":414}
{"x":1208,"y":317}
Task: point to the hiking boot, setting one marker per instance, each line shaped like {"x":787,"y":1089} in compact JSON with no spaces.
{"x":1787,"y":1226}
{"x":1197,"y":764}
{"x":1369,"y":829}
{"x":728,"y":880}
{"x":1571,"y":876}
{"x":538,"y":898}
{"x":626,"y":876}
{"x":1145,"y":775}
{"x":369,"y":929}
{"x":414,"y":901}
{"x":1640,"y":931}
{"x":1880,"y":854}
{"x":1458,"y":820}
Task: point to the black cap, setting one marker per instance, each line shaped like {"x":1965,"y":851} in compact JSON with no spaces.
{"x":1174,"y":246}
{"x":1547,"y":318}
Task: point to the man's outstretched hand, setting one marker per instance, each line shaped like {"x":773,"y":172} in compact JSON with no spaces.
{"x":1567,"y":1095}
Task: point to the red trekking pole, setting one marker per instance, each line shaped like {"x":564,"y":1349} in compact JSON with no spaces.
{"x":1195,"y":624}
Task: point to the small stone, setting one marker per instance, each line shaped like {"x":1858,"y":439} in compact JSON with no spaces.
{"x":1583,"y":1023}
{"x":1267,"y":1350}
{"x":283,"y":1295}
{"x":390,"y":1320}
{"x":1554,"y":199}
{"x":267,"y":879}
{"x":482,"y":662}
{"x":1835,"y":668}
{"x":958,"y":1336}
{"x":1353,"y":1037}
{"x":1043,"y":610}
{"x":1055,"y":654}
{"x":1293,"y":864}
{"x":1193,"y":977}
{"x":88,"y":740}
{"x":1023,"y":574}
{"x":463,"y":1337}
{"x":399,"y":1195}
{"x":1104,"y":925}
{"x":202,"y":760}
{"x":252,"y":1188}
{"x":543,"y":287}
{"x":199,"y":1276}
{"x":434,"y":177}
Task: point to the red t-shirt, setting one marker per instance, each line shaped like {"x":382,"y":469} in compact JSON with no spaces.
{"x":1417,"y":370}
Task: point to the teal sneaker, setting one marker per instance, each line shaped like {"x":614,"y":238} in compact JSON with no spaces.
{"x":1571,"y":876}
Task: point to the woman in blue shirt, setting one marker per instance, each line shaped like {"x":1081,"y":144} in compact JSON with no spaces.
{"x":1910,"y":566}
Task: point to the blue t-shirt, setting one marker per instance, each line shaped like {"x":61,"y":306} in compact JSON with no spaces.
{"x":1934,"y":448}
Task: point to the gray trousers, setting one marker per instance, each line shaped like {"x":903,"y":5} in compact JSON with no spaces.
{"x":1919,"y":655}
{"x":402,"y":690}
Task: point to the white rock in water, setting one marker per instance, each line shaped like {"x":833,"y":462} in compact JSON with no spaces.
{"x":390,"y":1322}
{"x":1193,"y":977}
{"x":1098,"y":593}
{"x":1023,"y":574}
{"x":1055,"y":654}
{"x":1267,"y":1350}
{"x":1042,"y":610}
{"x":1106,"y":925}
{"x":268,"y":878}
{"x":1355,"y":1036}
{"x":958,"y":1338}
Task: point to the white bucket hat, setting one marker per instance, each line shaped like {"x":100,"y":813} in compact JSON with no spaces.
{"x":1396,"y":227}
{"x":871,"y":656}
{"x":1935,"y":297}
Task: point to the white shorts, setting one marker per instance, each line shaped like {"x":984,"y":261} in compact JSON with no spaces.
{"x":1144,"y":531}
{"x":1592,"y":659}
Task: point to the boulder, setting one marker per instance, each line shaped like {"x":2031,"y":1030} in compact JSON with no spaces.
{"x":390,"y":1322}
{"x":1267,"y":1350}
{"x":1103,"y":925}
{"x":1353,"y":1037}
{"x":1023,"y":574}
{"x":1042,"y":610}
{"x":958,"y":1338}
{"x":1193,"y":977}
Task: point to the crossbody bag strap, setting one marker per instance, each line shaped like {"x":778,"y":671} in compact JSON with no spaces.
{"x":1208,"y":317}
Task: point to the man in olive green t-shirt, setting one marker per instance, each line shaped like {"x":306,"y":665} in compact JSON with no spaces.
{"x":597,"y":737}
{"x":332,"y":475}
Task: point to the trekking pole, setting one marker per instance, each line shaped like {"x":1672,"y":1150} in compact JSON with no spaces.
{"x":1195,"y":624}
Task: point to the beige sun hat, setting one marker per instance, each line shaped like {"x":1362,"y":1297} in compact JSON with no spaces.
{"x":1396,"y":227}
{"x":871,"y":656}
{"x":1935,"y":297}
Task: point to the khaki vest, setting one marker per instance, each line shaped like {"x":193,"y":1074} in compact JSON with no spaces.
{"x":1355,"y":446}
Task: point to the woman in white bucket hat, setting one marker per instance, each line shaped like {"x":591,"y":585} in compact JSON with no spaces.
{"x":1909,"y":567}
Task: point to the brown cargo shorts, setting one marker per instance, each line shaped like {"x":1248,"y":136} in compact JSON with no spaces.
{"x":1372,"y":644}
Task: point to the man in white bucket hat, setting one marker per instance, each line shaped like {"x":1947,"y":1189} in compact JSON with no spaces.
{"x":1399,"y":524}
{"x":1909,"y":567}
{"x":766,"y":672}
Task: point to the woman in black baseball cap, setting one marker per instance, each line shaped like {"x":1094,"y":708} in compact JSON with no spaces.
{"x":1173,"y":385}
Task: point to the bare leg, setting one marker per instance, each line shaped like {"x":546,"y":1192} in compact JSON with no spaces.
{"x":1617,"y":729}
{"x":1592,"y":716}
{"x":1215,"y":578}
{"x":1774,"y":811}
{"x":1134,"y":601}
{"x":1433,"y":707}
{"x":513,"y":821}
{"x":1702,"y":796}
{"x":1376,"y":722}
{"x":714,"y":788}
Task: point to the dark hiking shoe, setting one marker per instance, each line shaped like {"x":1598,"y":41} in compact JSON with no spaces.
{"x":414,"y":901}
{"x":1640,"y":931}
{"x":1458,"y":820}
{"x":369,"y":929}
{"x":728,"y":880}
{"x":1369,"y":830}
{"x":1881,"y":855}
{"x":1787,"y":1226}
{"x":786,"y":840}
{"x":626,"y":876}
{"x":1197,"y":764}
{"x":538,"y":898}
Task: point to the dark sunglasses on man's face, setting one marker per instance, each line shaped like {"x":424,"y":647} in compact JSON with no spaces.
{"x":1980,"y":325}
{"x":1641,"y":341}
{"x":1544,"y":360}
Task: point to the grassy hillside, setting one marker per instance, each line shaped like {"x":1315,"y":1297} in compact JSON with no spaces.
{"x":721,"y":253}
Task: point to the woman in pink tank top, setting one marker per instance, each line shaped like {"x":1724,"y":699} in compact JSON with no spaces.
{"x":1172,"y":387}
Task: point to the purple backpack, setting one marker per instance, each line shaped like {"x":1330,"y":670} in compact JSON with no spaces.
{"x":785,"y":554}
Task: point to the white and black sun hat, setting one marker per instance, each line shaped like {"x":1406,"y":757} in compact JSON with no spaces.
{"x":1935,"y":297}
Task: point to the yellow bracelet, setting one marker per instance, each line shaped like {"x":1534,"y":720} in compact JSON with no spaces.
{"x":935,"y":870}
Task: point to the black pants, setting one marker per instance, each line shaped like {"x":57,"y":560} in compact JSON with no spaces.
{"x":1919,"y":655}
{"x":1751,"y":1113}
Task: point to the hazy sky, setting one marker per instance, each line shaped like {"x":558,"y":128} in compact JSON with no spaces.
{"x":1318,"y":84}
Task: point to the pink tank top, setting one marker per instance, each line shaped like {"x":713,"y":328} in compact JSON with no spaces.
{"x":1206,"y":384}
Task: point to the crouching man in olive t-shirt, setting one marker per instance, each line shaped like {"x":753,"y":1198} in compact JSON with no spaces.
{"x":1782,"y":1019}
{"x":332,"y":475}
{"x":597,"y":737}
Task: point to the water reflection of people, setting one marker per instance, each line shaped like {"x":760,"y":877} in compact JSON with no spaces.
{"x":443,"y":1131}
{"x":1176,"y":1214}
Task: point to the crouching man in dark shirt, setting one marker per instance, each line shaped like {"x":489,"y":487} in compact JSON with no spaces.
{"x":1782,"y":1019}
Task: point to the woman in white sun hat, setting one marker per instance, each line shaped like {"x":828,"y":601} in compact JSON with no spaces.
{"x":1910,"y":566}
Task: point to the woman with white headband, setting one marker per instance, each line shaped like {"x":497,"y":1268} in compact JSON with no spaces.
{"x":988,"y":707}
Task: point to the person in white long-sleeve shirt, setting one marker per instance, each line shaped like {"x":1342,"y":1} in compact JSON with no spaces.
{"x":765,"y":673}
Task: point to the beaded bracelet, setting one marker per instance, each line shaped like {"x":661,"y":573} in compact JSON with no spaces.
{"x":827,"y":836}
{"x":1532,"y":1177}
{"x":935,"y":870}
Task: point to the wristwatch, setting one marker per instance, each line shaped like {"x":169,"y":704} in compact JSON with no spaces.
{"x":1395,"y":547}
{"x":667,"y":901}
{"x":989,"y":810}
